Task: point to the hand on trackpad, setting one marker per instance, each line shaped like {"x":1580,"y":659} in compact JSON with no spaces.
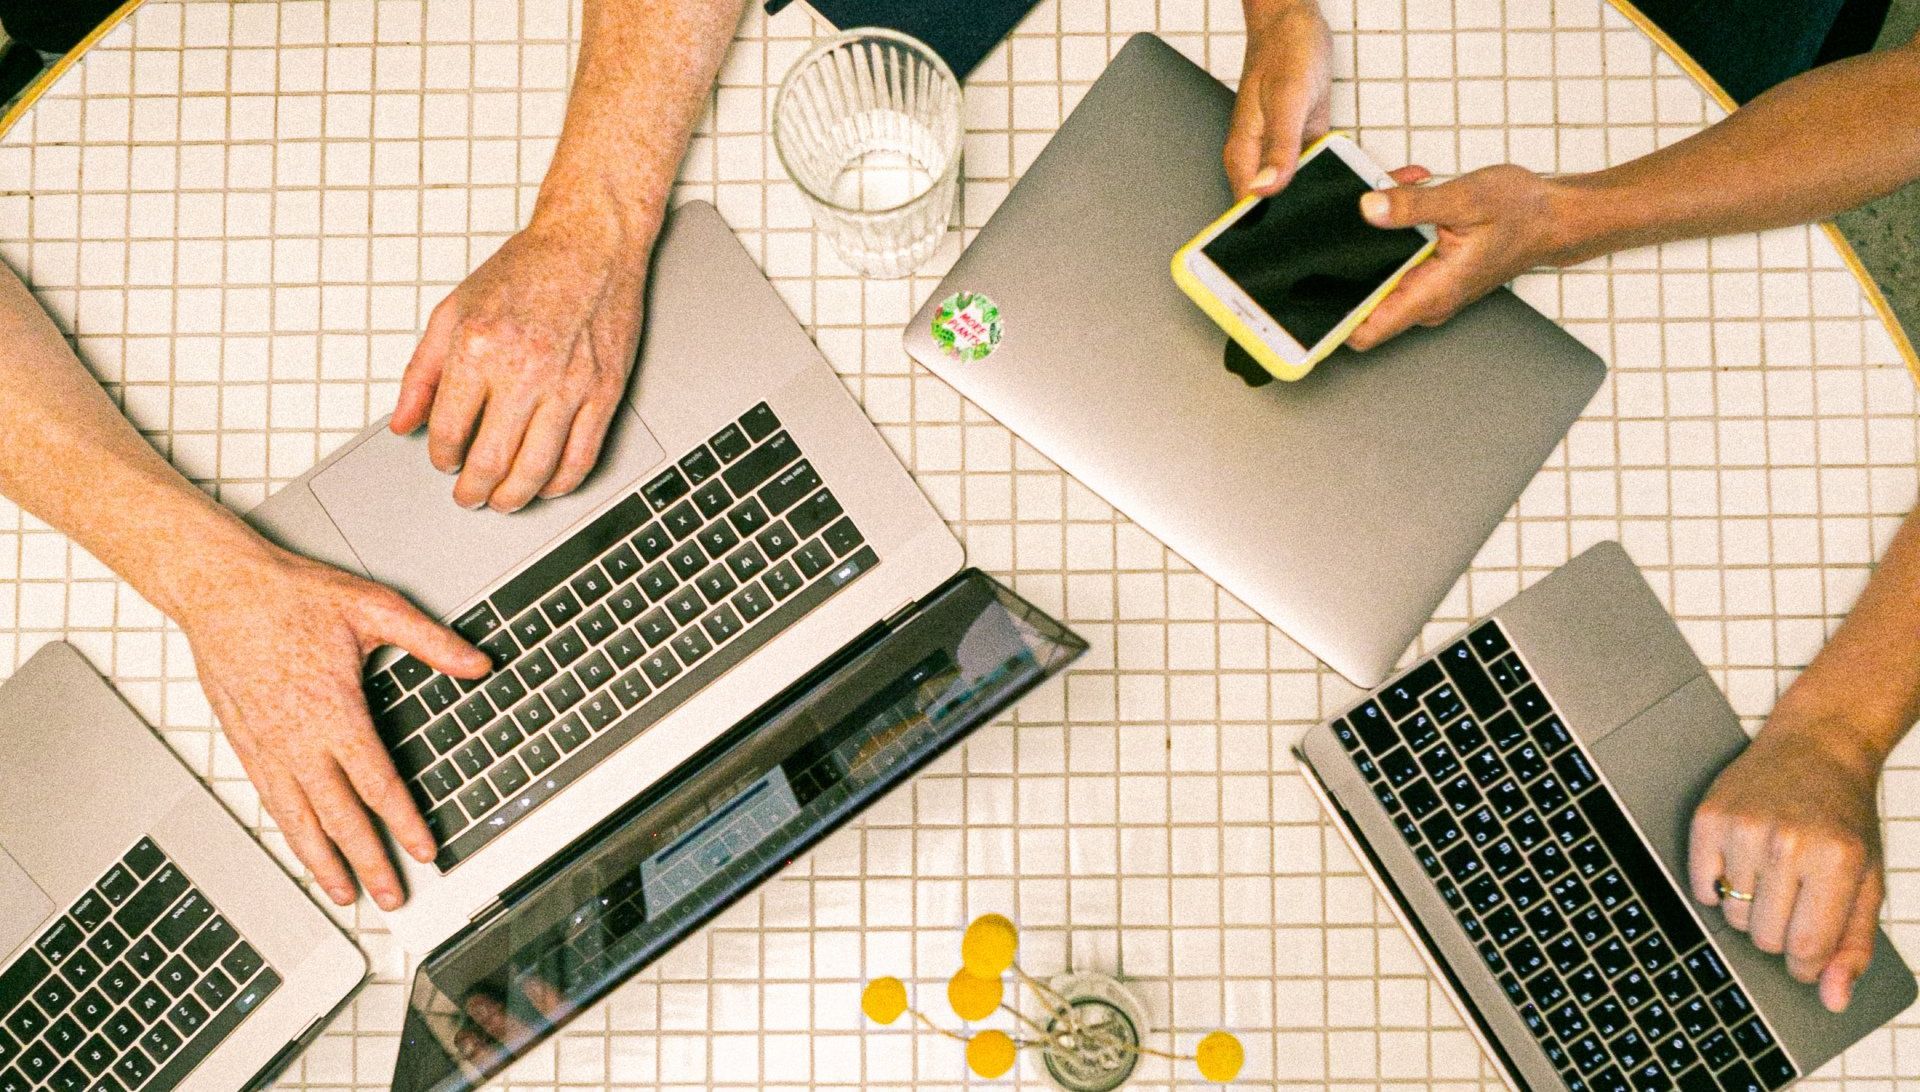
{"x":398,"y":514}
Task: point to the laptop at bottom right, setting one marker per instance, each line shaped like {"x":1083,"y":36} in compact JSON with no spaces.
{"x":1523,"y":799}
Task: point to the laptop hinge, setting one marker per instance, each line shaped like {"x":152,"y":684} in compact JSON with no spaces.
{"x":488,"y":912}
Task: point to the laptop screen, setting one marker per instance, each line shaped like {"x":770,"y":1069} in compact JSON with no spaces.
{"x":715,"y":828}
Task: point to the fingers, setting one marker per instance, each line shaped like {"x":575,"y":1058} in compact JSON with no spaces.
{"x":386,"y":618}
{"x":375,"y":780}
{"x":497,"y":1020}
{"x":1820,"y":918}
{"x":1744,"y":851}
{"x":503,"y":428}
{"x":1448,"y":204}
{"x":588,"y":435}
{"x":1774,"y":894}
{"x":541,"y":994}
{"x":423,"y":373}
{"x":539,"y":457}
{"x":457,"y":404}
{"x":1426,"y":296}
{"x":283,"y":798}
{"x":1855,"y":950}
{"x":1705,"y":862}
{"x":1245,"y":142}
{"x":1410,"y":175}
{"x":344,"y":819}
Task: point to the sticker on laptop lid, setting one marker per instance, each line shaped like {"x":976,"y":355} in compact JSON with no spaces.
{"x":967,"y":326}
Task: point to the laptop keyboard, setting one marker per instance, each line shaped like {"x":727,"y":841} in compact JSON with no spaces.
{"x":1591,"y":941}
{"x":615,"y":628}
{"x":130,"y":989}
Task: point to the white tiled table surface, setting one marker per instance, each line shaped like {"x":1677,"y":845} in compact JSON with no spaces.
{"x":244,"y":212}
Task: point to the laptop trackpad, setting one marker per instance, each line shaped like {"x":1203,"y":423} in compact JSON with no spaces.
{"x":398,"y":514}
{"x":23,"y":906}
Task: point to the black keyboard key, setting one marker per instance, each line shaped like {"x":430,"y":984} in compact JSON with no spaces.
{"x":20,"y":977}
{"x":446,"y":821}
{"x":621,"y":564}
{"x":721,"y":623}
{"x":1545,"y":921}
{"x":718,"y":538}
{"x":1420,"y":799}
{"x":1773,"y":1069}
{"x":146,"y":956}
{"x":503,"y":737}
{"x":561,"y":607}
{"x":1502,"y":858}
{"x":564,"y":693}
{"x":1471,"y":680}
{"x":122,"y":1029}
{"x":160,"y":1042}
{"x":600,"y":711}
{"x":1527,"y":763}
{"x":691,"y":645}
{"x":69,"y":1078}
{"x":789,"y":488}
{"x":1568,"y":893}
{"x":413,"y":757}
{"x":1525,"y":890}
{"x":813,"y":514}
{"x":1753,"y":1037}
{"x":1631,"y":1050}
{"x":630,"y":690}
{"x":509,"y":777}
{"x":539,"y":753}
{"x":748,"y":517}
{"x":1708,"y":972}
{"x":177,"y":977}
{"x":38,"y":1061}
{"x":1525,"y":957}
{"x":1402,"y":696}
{"x":687,"y":560}
{"x":210,"y":943}
{"x":628,"y":603}
{"x":782,"y":580}
{"x":1443,"y":705}
{"x":665,"y":488}
{"x":187,"y":1015}
{"x":752,"y":601}
{"x":625,"y":648}
{"x":472,"y":714}
{"x":242,"y":962}
{"x":184,"y":920}
{"x":89,"y":910}
{"x":763,"y":462}
{"x":699,"y":465}
{"x":1419,"y":731}
{"x":1568,"y":1022}
{"x":1697,"y":1079}
{"x":505,"y":688}
{"x":1632,"y":921}
{"x":652,"y":541}
{"x":1552,"y":736}
{"x":478,"y":798}
{"x":1588,"y":985}
{"x":590,"y":586}
{"x":1718,"y":1048}
{"x":26,"y":1021}
{"x":1613,"y":956}
{"x":566,"y":560}
{"x":1463,"y":797}
{"x":776,"y":540}
{"x":133,"y":1069}
{"x":472,"y":758}
{"x":712,"y":499}
{"x":1480,"y":826}
{"x":1460,"y":863}
{"x":715,"y":584}
{"x":441,"y":782}
{"x":1695,"y":1015}
{"x":567,"y":646}
{"x":215,"y":990}
{"x":571,"y":732}
{"x":60,"y":942}
{"x":117,"y":885}
{"x":1633,"y":989}
{"x":151,"y":1002}
{"x":1529,"y":831}
{"x":1676,"y":1054}
{"x":1440,"y":830}
{"x":1400,"y":768}
{"x":160,"y":893}
{"x":655,"y":627}
{"x":1507,"y":799}
{"x":1548,"y":794}
{"x":681,"y":521}
{"x":759,"y":421}
{"x":1609,"y":1019}
{"x":747,"y":562}
{"x":1466,"y":736}
{"x":1732,"y":1005}
{"x":382,"y":690}
{"x":1740,"y":1077}
{"x":1441,"y":764}
{"x":80,"y":970}
{"x":730,"y":443}
{"x":440,"y":694}
{"x":118,"y":983}
{"x":1590,"y":858}
{"x":445,"y":734}
{"x":1656,"y":1022}
{"x":1506,"y":731}
{"x":500,"y":648}
{"x":660,"y":666}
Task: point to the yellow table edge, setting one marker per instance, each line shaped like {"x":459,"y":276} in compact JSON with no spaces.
{"x":1712,"y":87}
{"x":1875,"y":296}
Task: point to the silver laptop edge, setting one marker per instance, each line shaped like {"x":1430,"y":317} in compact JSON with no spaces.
{"x":718,"y":340}
{"x":90,"y":781}
{"x":1596,"y":639}
{"x":1342,"y":507}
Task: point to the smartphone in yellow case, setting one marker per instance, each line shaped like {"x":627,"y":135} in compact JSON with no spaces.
{"x":1290,"y":276}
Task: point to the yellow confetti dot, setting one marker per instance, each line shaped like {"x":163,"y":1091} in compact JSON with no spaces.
{"x":884,"y":1000}
{"x":972,"y":997}
{"x":988,"y":947}
{"x":990,"y":1053}
{"x":1220,"y":1057}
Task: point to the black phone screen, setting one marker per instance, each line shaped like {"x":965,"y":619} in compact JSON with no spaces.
{"x":1306,"y":256}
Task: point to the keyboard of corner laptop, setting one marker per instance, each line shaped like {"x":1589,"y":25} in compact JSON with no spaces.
{"x":617,"y":626}
{"x":130,"y":989}
{"x":1591,"y":941}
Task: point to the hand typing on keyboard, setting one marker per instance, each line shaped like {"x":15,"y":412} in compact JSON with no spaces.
{"x":1793,"y":823}
{"x":280,"y":642}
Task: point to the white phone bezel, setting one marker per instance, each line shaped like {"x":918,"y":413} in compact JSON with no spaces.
{"x":1228,"y":291}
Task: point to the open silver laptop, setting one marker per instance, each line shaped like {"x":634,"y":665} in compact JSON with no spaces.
{"x":1523,"y":799}
{"x":1342,"y":507}
{"x":746,"y":519}
{"x":146,"y":942}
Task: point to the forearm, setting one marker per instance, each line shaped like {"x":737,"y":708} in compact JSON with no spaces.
{"x":1864,"y":686}
{"x":1824,"y":142}
{"x":645,"y":69}
{"x":72,"y":460}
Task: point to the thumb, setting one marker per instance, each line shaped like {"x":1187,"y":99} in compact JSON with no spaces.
{"x":390,"y":620}
{"x":1850,"y":960}
{"x":1404,"y":206}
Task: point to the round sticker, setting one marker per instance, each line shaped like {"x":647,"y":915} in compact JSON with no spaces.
{"x":967,"y":326}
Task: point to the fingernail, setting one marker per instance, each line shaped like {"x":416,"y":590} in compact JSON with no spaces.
{"x":1267,"y":177}
{"x":1374,"y":206}
{"x":424,"y":853}
{"x":340,"y":895}
{"x":471,"y":505}
{"x":387,"y":900}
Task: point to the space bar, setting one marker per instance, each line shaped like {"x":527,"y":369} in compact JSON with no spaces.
{"x":656,"y":706}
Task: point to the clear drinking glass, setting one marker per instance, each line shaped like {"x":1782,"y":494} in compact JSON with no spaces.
{"x":868,"y":126}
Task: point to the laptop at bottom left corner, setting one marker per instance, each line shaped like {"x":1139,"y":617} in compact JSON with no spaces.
{"x":147,"y":942}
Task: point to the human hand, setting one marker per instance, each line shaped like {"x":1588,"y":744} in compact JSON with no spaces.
{"x":495,"y":1028}
{"x":280,"y":645}
{"x":1793,"y":822}
{"x":523,"y":366}
{"x":1283,"y":101}
{"x":1491,"y":225}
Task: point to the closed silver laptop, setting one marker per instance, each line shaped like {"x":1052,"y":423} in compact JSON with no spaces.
{"x":1523,"y":800}
{"x":146,"y":942}
{"x":745,"y":521}
{"x":1341,"y":507}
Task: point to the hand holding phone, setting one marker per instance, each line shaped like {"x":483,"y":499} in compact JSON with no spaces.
{"x":1290,"y":276}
